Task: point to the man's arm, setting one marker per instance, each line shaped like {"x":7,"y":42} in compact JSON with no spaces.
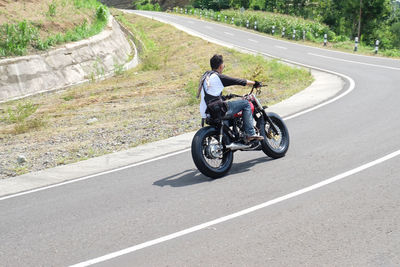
{"x":228,"y":81}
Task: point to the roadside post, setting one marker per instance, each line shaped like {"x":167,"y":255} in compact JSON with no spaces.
{"x":283,"y":32}
{"x":325,"y":38}
{"x":376,"y":46}
{"x":273,"y":30}
{"x":185,"y":11}
{"x":294,"y":34}
{"x":255,"y":25}
{"x":219,"y":17}
{"x":226,"y":18}
{"x":355,"y":44}
{"x":247,"y":24}
{"x":304,"y":35}
{"x":233,"y":21}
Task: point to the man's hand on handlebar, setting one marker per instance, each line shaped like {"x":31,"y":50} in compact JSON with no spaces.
{"x":257,"y":84}
{"x":229,"y":96}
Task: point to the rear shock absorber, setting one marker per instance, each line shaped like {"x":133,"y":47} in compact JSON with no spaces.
{"x":221,"y":132}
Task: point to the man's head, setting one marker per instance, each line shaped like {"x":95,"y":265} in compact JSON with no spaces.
{"x":217,"y":63}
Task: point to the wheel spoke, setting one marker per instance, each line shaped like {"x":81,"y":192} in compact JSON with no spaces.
{"x":274,"y":141}
{"x":210,"y":154}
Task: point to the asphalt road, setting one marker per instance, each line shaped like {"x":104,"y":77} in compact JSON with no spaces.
{"x":352,"y":221}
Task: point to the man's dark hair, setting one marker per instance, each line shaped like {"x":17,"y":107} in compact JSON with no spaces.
{"x":216,"y":61}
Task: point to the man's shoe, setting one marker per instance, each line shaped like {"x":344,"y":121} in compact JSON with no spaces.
{"x":255,"y":137}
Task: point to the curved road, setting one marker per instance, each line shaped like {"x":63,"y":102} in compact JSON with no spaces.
{"x":348,"y":151}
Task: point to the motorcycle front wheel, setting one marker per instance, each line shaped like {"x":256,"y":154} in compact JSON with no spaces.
{"x":275,"y":145}
{"x":208,"y":155}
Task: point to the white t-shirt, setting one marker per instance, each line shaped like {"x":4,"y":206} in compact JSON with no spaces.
{"x":215,"y":88}
{"x":216,"y":84}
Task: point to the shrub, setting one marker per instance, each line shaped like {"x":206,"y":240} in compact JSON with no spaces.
{"x":342,"y":38}
{"x":52,"y":9}
{"x":146,"y":5}
{"x":102,"y":13}
{"x":20,"y":112}
{"x":395,"y":29}
{"x":15,"y":38}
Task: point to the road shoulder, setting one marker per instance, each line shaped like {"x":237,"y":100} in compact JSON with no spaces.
{"x":325,"y":87}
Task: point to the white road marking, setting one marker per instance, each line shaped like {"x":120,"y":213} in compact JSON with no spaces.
{"x":208,"y":27}
{"x":94,"y":175}
{"x":228,"y":33}
{"x":280,"y":47}
{"x":356,"y":62}
{"x":252,"y":40}
{"x":190,"y":22}
{"x":351,"y":88}
{"x":274,"y":39}
{"x":239,"y":213}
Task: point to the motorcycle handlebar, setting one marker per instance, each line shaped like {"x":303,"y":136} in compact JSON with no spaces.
{"x":229,"y":96}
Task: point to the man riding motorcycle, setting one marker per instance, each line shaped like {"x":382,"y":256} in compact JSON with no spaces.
{"x":210,"y":87}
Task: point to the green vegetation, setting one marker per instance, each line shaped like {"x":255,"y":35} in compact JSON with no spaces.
{"x":17,"y":39}
{"x":140,"y":105}
{"x":52,"y":9}
{"x":369,"y":20}
{"x":268,"y":22}
{"x":22,"y":119}
{"x":150,"y":56}
{"x":341,"y":20}
{"x":295,"y":28}
{"x":146,"y":5}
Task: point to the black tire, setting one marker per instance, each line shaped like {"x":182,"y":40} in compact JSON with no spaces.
{"x":270,"y":146}
{"x":204,"y":150}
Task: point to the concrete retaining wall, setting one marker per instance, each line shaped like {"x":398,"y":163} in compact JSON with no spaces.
{"x":68,"y":65}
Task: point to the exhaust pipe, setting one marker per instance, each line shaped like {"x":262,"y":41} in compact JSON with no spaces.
{"x":237,"y":146}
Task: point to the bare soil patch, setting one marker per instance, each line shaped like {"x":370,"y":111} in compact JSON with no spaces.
{"x":66,"y":16}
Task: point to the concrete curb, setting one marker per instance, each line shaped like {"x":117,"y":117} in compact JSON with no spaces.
{"x":325,"y":87}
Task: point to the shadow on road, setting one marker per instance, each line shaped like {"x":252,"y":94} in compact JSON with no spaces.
{"x":193,"y":176}
{"x":185,"y":178}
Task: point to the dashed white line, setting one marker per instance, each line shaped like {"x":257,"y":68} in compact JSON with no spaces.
{"x":228,"y":33}
{"x":208,"y":27}
{"x":252,"y":40}
{"x":239,"y":213}
{"x":280,"y":47}
{"x":356,"y":62}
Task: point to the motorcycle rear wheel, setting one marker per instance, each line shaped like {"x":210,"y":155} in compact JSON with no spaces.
{"x":275,"y":146}
{"x":209,"y":157}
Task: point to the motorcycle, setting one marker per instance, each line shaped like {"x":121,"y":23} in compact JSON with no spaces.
{"x":213,"y":146}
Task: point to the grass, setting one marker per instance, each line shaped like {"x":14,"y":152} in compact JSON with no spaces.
{"x":21,"y":118}
{"x":154,"y":101}
{"x":18,"y":38}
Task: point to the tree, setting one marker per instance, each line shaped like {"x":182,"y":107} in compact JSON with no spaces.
{"x":240,"y":3}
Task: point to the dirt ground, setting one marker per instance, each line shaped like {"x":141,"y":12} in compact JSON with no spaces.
{"x":37,"y":11}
